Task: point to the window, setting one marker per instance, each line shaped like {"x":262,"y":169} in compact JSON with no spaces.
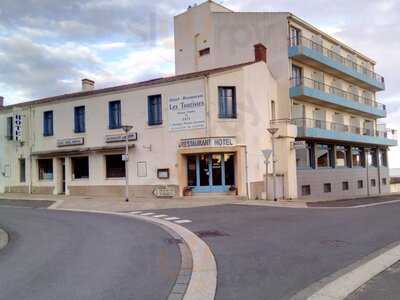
{"x":79,"y":114}
{"x":360,"y":184}
{"x":22,"y":172}
{"x":80,"y":167}
{"x":296,"y":75}
{"x":304,"y":157}
{"x":154,"y":104}
{"x":323,"y":155}
{"x":227,"y":102}
{"x":372,"y":158}
{"x":10,"y":129}
{"x":341,"y":156}
{"x":327,"y":187}
{"x":357,"y":156}
{"x":229,"y":160}
{"x":305,"y":190}
{"x":48,"y":123}
{"x":114,"y":114}
{"x":294,"y":36}
{"x":383,"y":158}
{"x":115,"y":166}
{"x":45,"y":167}
{"x":373,"y":182}
{"x":204,"y":51}
{"x":273,"y":110}
{"x":345,"y":185}
{"x":384,"y":181}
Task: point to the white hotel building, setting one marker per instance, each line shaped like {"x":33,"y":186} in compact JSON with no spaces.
{"x":203,"y":130}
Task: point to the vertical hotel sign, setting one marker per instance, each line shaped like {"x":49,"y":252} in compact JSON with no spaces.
{"x":186,"y":112}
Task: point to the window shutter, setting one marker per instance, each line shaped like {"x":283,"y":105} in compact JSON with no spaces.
{"x":159,"y":110}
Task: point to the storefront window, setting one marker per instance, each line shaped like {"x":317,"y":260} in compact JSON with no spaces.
{"x":303,"y":157}
{"x":322,"y":153}
{"x":45,"y":167}
{"x":357,"y":157}
{"x":115,"y":166}
{"x":341,"y":156}
{"x":191,"y":169}
{"x":383,"y":157}
{"x":372,"y":158}
{"x":80,"y":167}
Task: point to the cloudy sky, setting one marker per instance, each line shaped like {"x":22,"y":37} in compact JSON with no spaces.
{"x":47,"y":46}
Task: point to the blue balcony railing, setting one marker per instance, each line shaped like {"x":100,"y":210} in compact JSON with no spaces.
{"x":321,"y":129}
{"x":303,"y":47}
{"x":308,"y":88}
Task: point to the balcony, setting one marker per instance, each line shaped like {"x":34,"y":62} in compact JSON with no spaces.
{"x":319,"y":129}
{"x":314,"y":54}
{"x":317,"y":92}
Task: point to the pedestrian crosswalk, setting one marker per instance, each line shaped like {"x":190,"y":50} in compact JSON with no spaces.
{"x":162,"y":216}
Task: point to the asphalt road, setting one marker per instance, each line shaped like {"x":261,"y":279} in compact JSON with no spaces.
{"x":385,"y":286}
{"x":273,"y":253}
{"x":74,"y":256}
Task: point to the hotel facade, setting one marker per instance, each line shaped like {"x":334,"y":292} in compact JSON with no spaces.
{"x":204,"y":130}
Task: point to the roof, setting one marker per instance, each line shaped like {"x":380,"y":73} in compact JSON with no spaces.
{"x":141,"y":84}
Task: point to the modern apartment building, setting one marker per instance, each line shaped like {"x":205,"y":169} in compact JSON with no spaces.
{"x":203,"y":130}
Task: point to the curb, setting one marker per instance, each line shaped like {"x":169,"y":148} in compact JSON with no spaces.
{"x":339,"y":285}
{"x":3,"y":238}
{"x":201,"y":284}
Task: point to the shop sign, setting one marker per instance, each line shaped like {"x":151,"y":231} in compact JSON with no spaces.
{"x":208,"y":142}
{"x":300,"y":145}
{"x":114,"y":138}
{"x":186,"y":112}
{"x":70,"y":142}
{"x":164,"y":191}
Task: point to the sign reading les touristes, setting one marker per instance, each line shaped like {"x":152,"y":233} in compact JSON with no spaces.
{"x":186,"y":112}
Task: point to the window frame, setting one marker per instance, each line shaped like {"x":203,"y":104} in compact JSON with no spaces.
{"x":108,"y":175}
{"x":48,"y":123}
{"x":73,"y":162}
{"x":154,"y":110}
{"x":80,"y":119}
{"x":41,"y":176}
{"x":22,"y":170}
{"x":10,"y":128}
{"x":223,"y":104}
{"x":114,"y":123}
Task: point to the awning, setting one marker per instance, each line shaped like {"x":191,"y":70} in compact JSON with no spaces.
{"x":81,"y":150}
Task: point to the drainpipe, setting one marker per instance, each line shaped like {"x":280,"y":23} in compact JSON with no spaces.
{"x":367,"y":168}
{"x":29,"y":136}
{"x":247,"y":174}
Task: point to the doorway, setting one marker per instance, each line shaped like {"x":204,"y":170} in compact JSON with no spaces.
{"x":211,"y":172}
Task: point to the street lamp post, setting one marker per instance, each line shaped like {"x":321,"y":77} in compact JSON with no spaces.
{"x":272,"y":131}
{"x":126,"y":129}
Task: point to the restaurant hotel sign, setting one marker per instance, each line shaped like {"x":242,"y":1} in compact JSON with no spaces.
{"x":186,"y":112}
{"x":208,"y":142}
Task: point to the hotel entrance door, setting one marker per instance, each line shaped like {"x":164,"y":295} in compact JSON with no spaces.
{"x":211,"y":172}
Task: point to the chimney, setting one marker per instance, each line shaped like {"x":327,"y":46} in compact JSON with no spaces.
{"x":87,"y":84}
{"x":1,"y":101}
{"x":260,"y":53}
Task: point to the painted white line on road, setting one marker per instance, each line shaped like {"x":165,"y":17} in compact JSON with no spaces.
{"x":135,"y":212}
{"x":171,"y":218}
{"x":182,"y":221}
{"x":3,"y":238}
{"x":147,"y":214}
{"x":341,"y":284}
{"x":160,"y":216}
{"x":56,"y":204}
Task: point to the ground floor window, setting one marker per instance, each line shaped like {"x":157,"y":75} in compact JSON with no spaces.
{"x":372,"y":158}
{"x":360,"y":184}
{"x":345,"y":185}
{"x":45,"y":168}
{"x":304,"y":157}
{"x":80,"y":167}
{"x":327,"y":187}
{"x":383,"y":157}
{"x":341,"y":159}
{"x":115,"y":166}
{"x":323,"y":155}
{"x":22,"y":170}
{"x":357,"y":156}
{"x":305,"y":190}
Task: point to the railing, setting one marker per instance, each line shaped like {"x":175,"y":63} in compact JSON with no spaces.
{"x":314,"y":84}
{"x":339,"y":127}
{"x":302,"y":41}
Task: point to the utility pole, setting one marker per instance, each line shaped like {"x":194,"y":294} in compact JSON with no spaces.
{"x":272,"y":131}
{"x":126,"y":129}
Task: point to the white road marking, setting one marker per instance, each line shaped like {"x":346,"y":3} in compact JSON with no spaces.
{"x":160,"y":216}
{"x":171,"y":218}
{"x":183,"y":221}
{"x":135,"y":212}
{"x":147,"y":214}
